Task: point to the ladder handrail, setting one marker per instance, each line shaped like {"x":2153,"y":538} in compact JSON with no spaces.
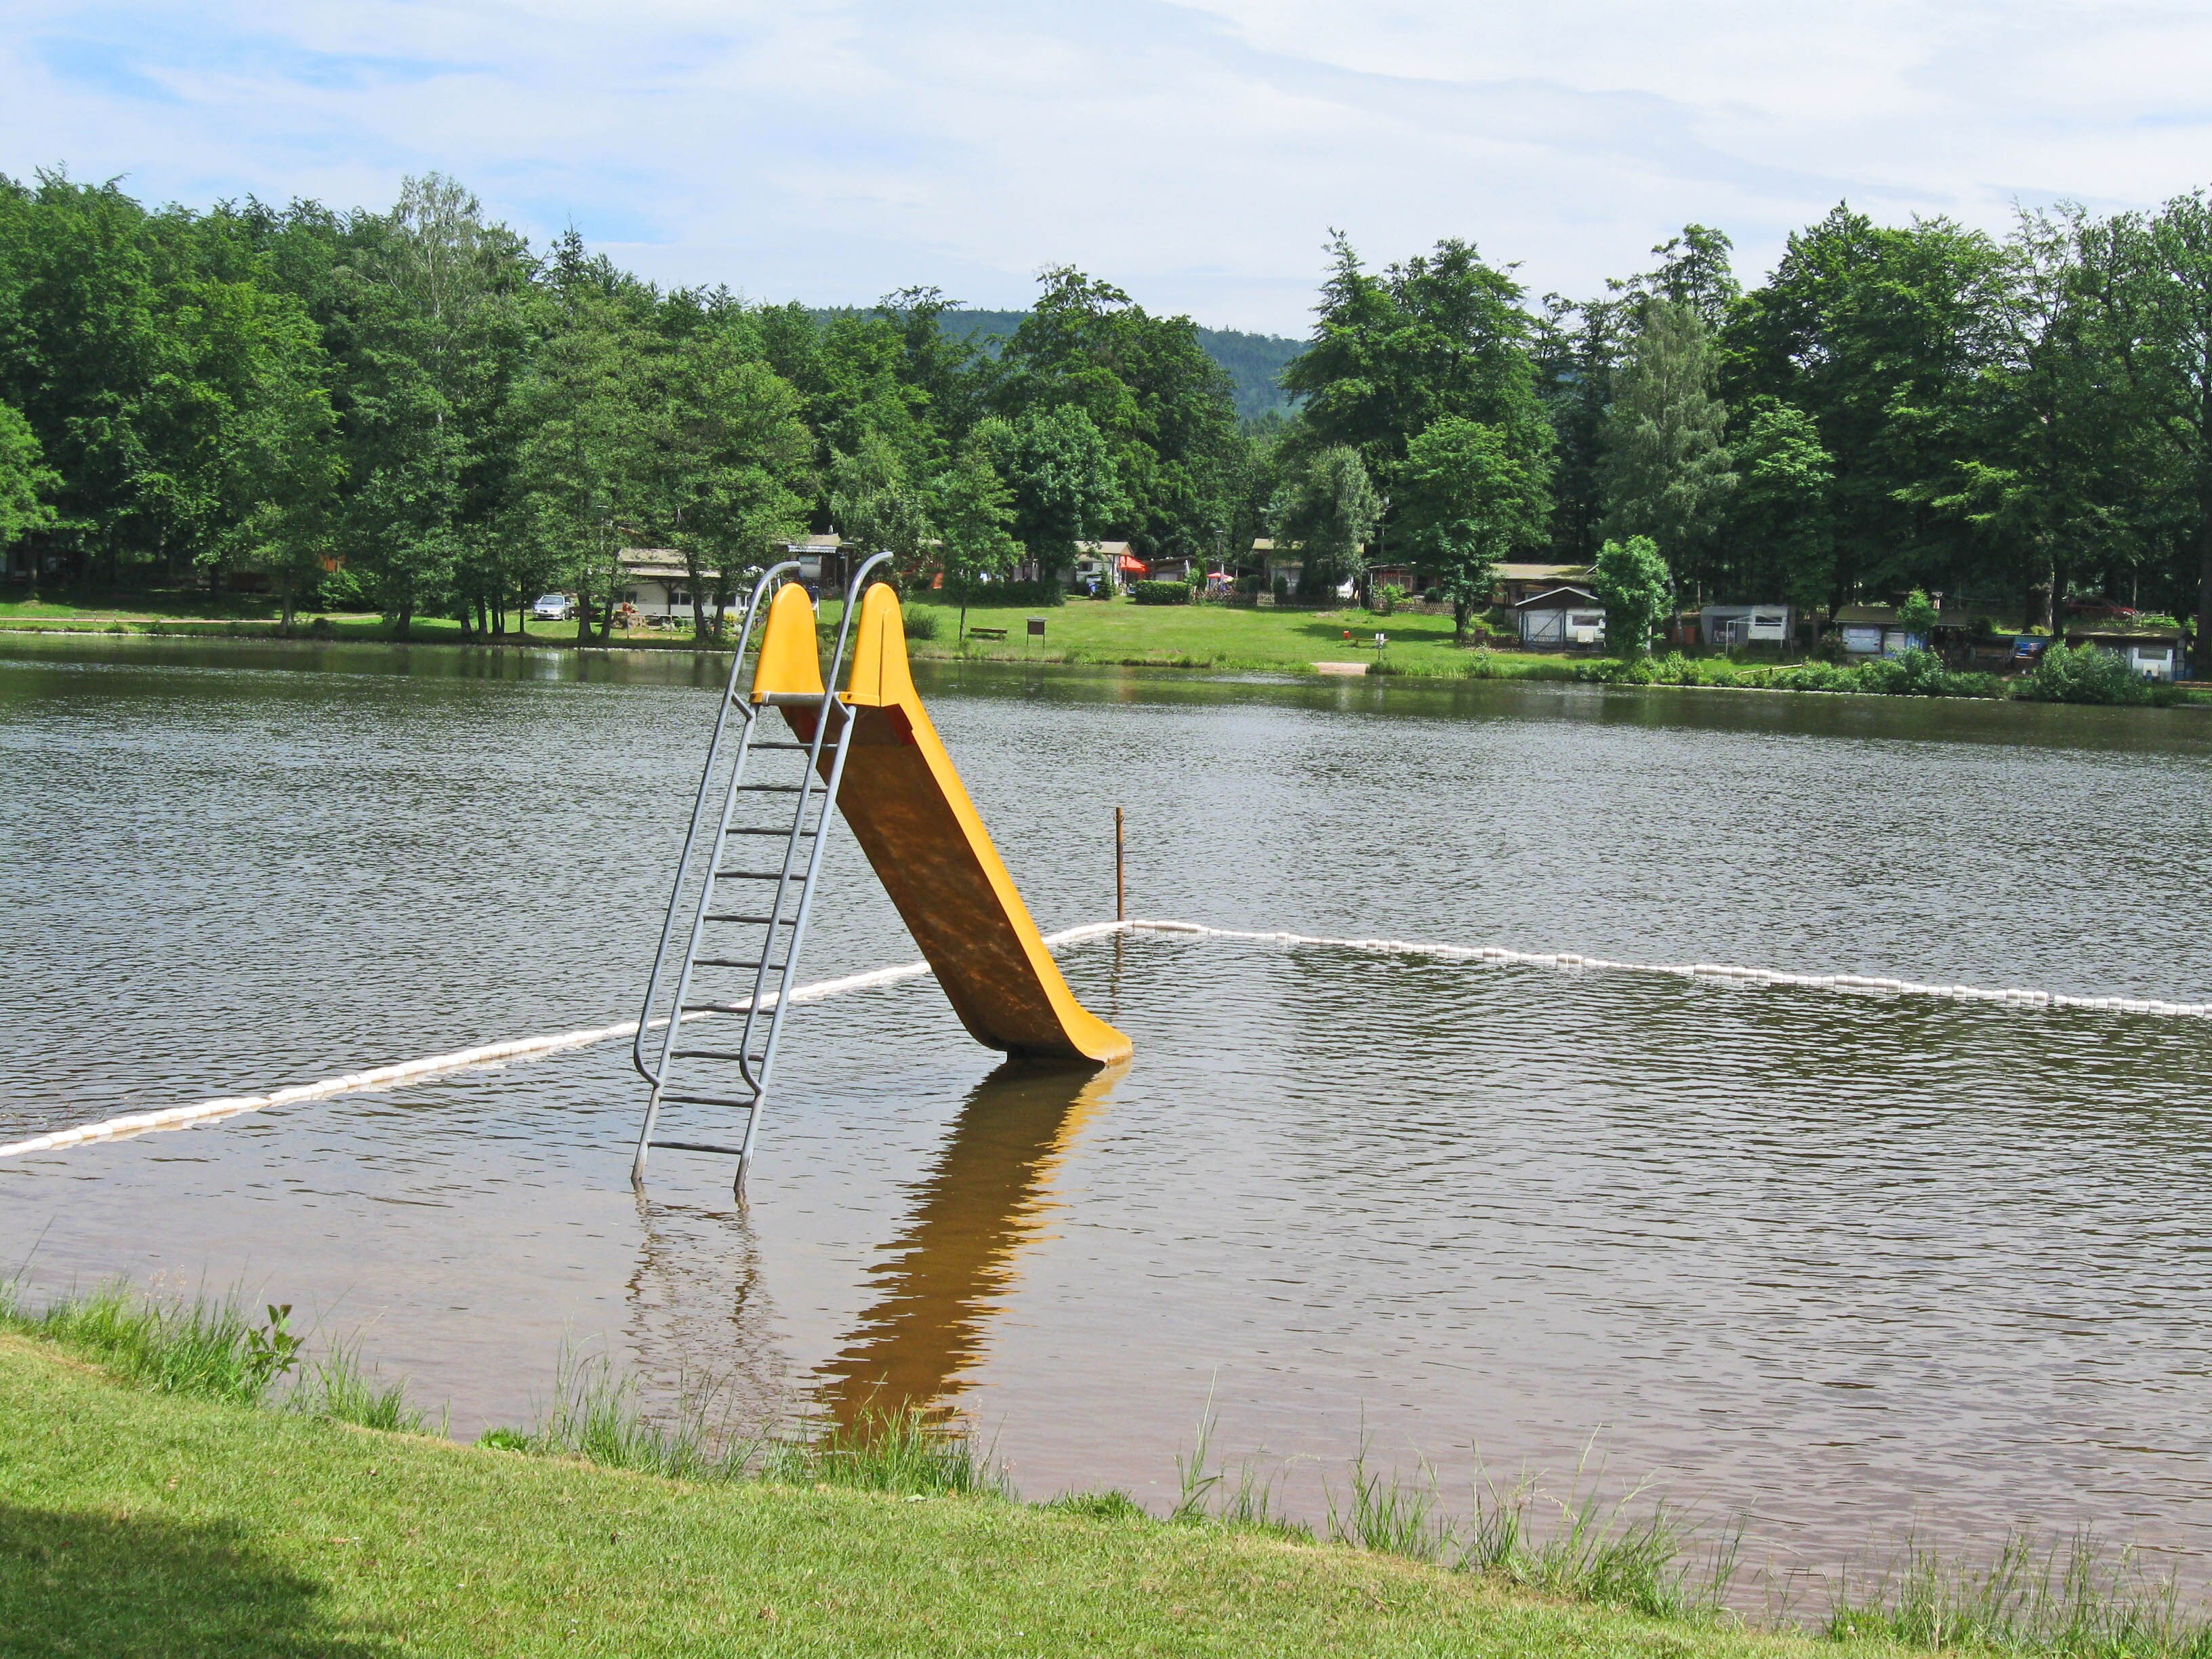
{"x":810,"y":776}
{"x":829,"y":705}
{"x":830,"y":698}
{"x":752,"y":613}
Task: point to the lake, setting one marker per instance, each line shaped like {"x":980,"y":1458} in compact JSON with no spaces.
{"x":1835,"y":1264}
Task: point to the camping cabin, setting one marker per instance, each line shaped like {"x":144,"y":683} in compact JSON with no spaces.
{"x":824,"y":563}
{"x":1281,"y":566}
{"x":1729,"y":627}
{"x":2153,"y":653}
{"x":1111,"y":565}
{"x":1515,"y":582}
{"x":1872,"y":630}
{"x":1564,"y":618}
{"x":655,"y":581}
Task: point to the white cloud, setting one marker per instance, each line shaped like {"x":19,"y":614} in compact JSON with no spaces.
{"x":1196,"y":153}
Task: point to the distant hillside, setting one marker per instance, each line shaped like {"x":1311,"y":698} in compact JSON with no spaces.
{"x":1253,"y":360}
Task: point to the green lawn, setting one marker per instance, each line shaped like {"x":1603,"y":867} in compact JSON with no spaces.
{"x":248,"y":615}
{"x":1081,"y":631}
{"x":1203,"y":636}
{"x":133,"y":1522}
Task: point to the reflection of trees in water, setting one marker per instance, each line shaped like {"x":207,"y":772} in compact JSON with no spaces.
{"x":702,"y":1319}
{"x":941,"y":1280}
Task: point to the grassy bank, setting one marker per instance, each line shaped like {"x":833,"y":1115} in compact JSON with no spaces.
{"x":134,"y":1522}
{"x":178,"y":1480}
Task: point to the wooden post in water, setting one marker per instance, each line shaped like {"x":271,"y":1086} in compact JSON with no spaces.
{"x":1120,"y":888}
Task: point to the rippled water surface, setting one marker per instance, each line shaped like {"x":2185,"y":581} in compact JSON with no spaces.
{"x":1829,"y":1261}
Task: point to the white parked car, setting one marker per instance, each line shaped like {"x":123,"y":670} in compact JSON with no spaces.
{"x":553,"y":607}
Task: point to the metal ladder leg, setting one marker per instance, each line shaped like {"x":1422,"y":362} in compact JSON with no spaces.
{"x":656,"y":1073}
{"x":830,"y":708}
{"x":789,"y":906}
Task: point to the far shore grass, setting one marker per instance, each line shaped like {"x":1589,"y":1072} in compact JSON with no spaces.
{"x":1114,"y":632}
{"x":1117,"y":633}
{"x":1215,"y":636}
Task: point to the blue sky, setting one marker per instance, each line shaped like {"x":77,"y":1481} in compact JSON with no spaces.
{"x":1197,"y":154}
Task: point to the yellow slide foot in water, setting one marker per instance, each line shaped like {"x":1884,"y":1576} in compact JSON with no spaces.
{"x":913,"y":818}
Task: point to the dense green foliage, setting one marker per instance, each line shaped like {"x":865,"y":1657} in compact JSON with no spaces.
{"x":1779,"y":512}
{"x":1912,"y":674}
{"x":416,"y":411}
{"x":27,"y":483}
{"x":2019,"y":421}
{"x":1160,"y":592}
{"x":1637,"y":591}
{"x":1664,"y":467}
{"x":1474,"y":494}
{"x":2085,"y":673}
{"x":1326,"y":507}
{"x":1440,"y":335}
{"x":1254,"y":362}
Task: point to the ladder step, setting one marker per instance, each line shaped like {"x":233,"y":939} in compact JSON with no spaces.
{"x":717,"y":1008}
{"x":732,"y":961}
{"x":745,"y":1105}
{"x":701,"y":1147}
{"x":802,"y":700}
{"x":735,"y":830}
{"x":804,"y":747}
{"x":717,"y":1053}
{"x":754,"y":875}
{"x":764,"y":921}
{"x":774,"y":788}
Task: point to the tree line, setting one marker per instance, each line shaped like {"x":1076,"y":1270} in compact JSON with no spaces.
{"x":414,"y":410}
{"x":2022,"y":421}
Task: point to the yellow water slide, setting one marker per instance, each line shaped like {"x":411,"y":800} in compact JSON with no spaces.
{"x":913,"y":818}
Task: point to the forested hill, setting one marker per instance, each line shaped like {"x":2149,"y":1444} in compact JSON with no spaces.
{"x":1253,"y":360}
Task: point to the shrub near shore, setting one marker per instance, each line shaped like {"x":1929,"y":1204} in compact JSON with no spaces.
{"x":1912,"y":674}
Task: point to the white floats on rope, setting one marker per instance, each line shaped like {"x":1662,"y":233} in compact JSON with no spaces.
{"x":497,"y":1054}
{"x":1854,"y":982}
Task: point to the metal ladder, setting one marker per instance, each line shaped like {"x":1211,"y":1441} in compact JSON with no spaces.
{"x":748,"y":907}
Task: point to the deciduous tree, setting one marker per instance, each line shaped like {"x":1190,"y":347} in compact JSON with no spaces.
{"x":1326,"y":507}
{"x":877,"y":503}
{"x":734,"y":464}
{"x":436,"y":321}
{"x":1062,"y":473}
{"x":26,"y":482}
{"x":1637,"y":591}
{"x":1442,"y":334}
{"x":595,"y":415}
{"x":1665,"y":468}
{"x":1471,"y":496}
{"x":1778,"y":522}
{"x":1879,"y":335}
{"x":973,"y":510}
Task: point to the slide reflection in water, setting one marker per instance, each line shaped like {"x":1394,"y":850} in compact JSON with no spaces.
{"x":941,"y":1280}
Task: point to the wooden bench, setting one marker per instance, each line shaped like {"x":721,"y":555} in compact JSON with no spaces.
{"x":987,"y":633}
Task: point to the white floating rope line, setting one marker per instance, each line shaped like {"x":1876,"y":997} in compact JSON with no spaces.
{"x":2016,"y":996}
{"x":498,"y":1054}
{"x":464,"y":1060}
